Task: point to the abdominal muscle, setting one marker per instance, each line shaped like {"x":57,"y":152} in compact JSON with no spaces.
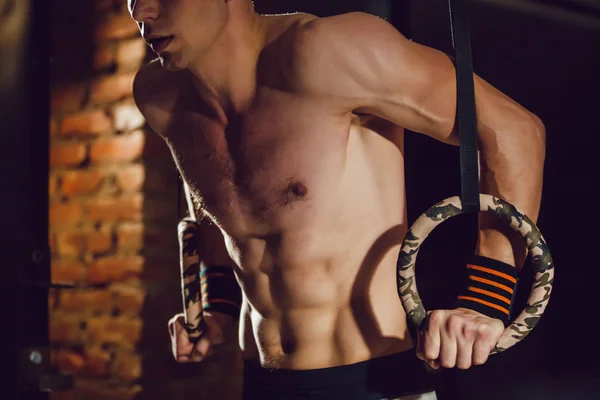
{"x":326,"y":314}
{"x":322,"y":291}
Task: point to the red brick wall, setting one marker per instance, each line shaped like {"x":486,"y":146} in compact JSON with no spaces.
{"x":113,"y":216}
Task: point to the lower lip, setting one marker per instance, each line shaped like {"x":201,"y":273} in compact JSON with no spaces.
{"x":161,"y":45}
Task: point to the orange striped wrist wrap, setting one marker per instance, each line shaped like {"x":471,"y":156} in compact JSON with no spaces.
{"x":220,"y":290}
{"x":490,"y":288}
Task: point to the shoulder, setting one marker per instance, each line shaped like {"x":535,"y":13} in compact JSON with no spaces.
{"x":355,"y":24}
{"x":334,"y":35}
{"x":155,"y":92}
{"x":327,"y":50}
{"x":151,"y":84}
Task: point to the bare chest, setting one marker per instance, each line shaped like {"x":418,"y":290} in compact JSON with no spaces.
{"x":266,"y":168}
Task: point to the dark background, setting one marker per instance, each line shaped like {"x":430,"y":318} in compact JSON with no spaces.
{"x":544,"y":54}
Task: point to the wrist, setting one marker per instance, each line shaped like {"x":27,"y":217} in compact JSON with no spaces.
{"x":489,"y":288}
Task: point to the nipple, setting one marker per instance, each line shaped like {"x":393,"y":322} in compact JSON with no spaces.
{"x":293,"y":192}
{"x":297,"y":189}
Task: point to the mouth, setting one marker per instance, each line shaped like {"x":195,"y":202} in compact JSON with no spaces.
{"x":160,"y":44}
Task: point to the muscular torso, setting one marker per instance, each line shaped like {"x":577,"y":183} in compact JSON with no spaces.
{"x":309,"y":198}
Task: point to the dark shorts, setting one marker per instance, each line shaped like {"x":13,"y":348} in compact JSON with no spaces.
{"x":393,"y":376}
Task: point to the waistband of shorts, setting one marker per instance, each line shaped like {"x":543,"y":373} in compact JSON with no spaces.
{"x":404,"y":367}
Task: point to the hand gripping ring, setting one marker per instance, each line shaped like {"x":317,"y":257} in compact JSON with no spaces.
{"x":538,"y":253}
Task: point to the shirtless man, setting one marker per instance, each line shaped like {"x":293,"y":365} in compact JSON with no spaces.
{"x":288,"y":131}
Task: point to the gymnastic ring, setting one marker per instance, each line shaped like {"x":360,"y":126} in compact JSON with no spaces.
{"x":538,"y":253}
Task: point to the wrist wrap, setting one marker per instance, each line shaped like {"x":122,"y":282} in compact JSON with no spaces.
{"x":220,"y":290}
{"x":490,"y":288}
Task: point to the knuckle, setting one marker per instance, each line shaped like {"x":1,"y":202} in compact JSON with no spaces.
{"x":447,"y":364}
{"x":436,"y":318}
{"x":469,"y":331}
{"x":455,"y":323}
{"x":484,"y":331}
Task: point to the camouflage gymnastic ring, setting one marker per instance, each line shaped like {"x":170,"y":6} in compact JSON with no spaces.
{"x":538,"y":253}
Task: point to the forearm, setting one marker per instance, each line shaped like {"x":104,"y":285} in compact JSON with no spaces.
{"x":512,"y":166}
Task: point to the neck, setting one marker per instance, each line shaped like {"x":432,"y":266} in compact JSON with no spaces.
{"x":226,"y":75}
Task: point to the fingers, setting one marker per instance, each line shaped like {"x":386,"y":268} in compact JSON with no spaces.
{"x":456,"y":339}
{"x":215,"y":332}
{"x":481,"y":347}
{"x":429,"y":340}
{"x":481,"y":352}
{"x":465,"y":343}
{"x":449,"y":345}
{"x":181,"y":347}
{"x":201,"y":350}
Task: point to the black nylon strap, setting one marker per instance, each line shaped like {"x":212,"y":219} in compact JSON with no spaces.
{"x":466,"y":117}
